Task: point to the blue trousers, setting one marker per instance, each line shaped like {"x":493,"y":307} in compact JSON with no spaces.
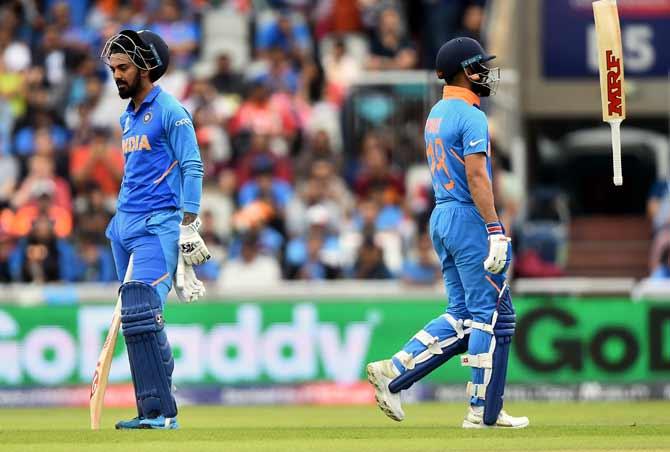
{"x":459,"y":237}
{"x":153,"y":239}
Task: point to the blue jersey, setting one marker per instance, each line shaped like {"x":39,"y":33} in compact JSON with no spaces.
{"x":162,"y":167}
{"x":455,"y":127}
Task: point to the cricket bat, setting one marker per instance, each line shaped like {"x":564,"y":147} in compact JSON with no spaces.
{"x":610,"y":63}
{"x":101,"y":374}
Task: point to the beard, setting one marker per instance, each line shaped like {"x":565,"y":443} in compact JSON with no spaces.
{"x":126,"y":91}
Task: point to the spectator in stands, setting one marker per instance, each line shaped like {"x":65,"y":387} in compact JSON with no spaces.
{"x":263,"y":113}
{"x":376,"y":169}
{"x":42,"y":257}
{"x":42,"y":204}
{"x":662,"y":270}
{"x":251,"y":269}
{"x":316,"y":254}
{"x":218,"y":198}
{"x":225,"y":79}
{"x":209,"y":271}
{"x":42,"y":172}
{"x":258,"y":219}
{"x":423,"y":269}
{"x":446,"y":19}
{"x":282,"y":75}
{"x":50,"y":55}
{"x":93,"y":212}
{"x":38,"y":133}
{"x":318,"y":147}
{"x":265,"y":185}
{"x":390,"y":48}
{"x":658,"y":205}
{"x":341,"y":70}
{"x":179,"y":30}
{"x":94,"y":261}
{"x":97,"y":162}
{"x":370,"y":261}
{"x":264,"y":146}
{"x":286,"y":31}
{"x":325,"y":188}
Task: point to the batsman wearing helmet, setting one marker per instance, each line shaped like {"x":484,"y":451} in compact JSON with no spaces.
{"x":156,"y":221}
{"x":471,"y":244}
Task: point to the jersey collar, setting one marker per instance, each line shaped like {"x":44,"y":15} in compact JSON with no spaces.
{"x":147,"y":99}
{"x":456,"y":92}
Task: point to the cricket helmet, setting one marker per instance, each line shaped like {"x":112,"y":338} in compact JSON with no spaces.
{"x":145,"y":49}
{"x":467,"y":54}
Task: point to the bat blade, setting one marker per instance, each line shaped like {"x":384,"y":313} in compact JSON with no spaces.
{"x":104,"y":364}
{"x":610,"y":59}
{"x":610,"y":64}
{"x":101,"y":374}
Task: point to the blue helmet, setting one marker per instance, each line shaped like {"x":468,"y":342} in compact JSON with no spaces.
{"x":145,"y":48}
{"x":466,"y":54}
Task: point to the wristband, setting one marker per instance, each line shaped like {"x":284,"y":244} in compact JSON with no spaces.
{"x":494,"y":227}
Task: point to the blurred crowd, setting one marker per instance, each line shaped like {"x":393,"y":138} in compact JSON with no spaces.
{"x":281,"y":198}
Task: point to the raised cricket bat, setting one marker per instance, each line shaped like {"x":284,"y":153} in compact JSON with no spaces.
{"x":610,"y":62}
{"x":101,"y":375}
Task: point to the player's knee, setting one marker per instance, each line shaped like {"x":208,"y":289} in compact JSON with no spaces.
{"x":141,"y":310}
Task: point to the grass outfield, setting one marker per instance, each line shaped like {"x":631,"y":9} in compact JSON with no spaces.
{"x":428,"y":427}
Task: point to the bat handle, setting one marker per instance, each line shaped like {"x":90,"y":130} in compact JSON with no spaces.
{"x":616,"y":151}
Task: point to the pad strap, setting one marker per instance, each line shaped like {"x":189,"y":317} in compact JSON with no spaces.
{"x":431,"y":342}
{"x":474,"y":390}
{"x":482,"y":360}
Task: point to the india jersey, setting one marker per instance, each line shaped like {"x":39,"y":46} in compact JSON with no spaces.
{"x":162,"y":167}
{"x":455,"y":127}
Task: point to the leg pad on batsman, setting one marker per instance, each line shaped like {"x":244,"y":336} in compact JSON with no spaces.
{"x":490,"y":367}
{"x":443,"y":338}
{"x":148,"y":349}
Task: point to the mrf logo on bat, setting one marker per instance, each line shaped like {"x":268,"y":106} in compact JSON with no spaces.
{"x":614,"y":89}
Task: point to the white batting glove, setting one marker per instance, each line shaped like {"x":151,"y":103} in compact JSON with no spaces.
{"x":188,"y":287}
{"x":499,"y":248}
{"x":191,"y":245}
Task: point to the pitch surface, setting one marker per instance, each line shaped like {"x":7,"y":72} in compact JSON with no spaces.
{"x":428,"y":427}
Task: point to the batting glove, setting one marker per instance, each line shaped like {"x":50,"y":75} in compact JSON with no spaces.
{"x":499,"y":248}
{"x":192,"y":246}
{"x":188,"y":287}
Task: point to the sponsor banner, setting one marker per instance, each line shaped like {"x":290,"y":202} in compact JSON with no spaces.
{"x":558,"y":341}
{"x":568,"y":24}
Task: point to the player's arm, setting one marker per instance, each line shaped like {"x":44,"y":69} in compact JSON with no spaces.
{"x":475,"y":145}
{"x":181,"y":136}
{"x":476,"y":171}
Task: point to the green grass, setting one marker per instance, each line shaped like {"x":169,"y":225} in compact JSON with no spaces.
{"x":428,"y":427}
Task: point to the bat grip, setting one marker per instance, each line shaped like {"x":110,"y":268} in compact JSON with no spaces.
{"x":615,"y":125}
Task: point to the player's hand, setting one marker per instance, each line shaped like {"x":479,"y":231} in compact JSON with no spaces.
{"x":188,"y":287}
{"x":499,"y":249}
{"x":191,"y":245}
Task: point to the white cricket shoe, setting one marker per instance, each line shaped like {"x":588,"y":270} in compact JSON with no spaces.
{"x":474,"y":419}
{"x":380,"y":374}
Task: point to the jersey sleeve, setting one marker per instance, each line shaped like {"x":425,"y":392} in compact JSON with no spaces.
{"x":178,"y":126}
{"x":475,"y":133}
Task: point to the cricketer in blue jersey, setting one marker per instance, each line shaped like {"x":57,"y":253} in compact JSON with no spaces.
{"x":154,"y":233}
{"x":473,"y":250}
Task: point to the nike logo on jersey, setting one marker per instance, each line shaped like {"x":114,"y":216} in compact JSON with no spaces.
{"x":126,"y":126}
{"x":475,"y":143}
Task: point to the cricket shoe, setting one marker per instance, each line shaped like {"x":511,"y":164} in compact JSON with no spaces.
{"x":131,"y":424}
{"x":380,"y":374}
{"x":160,"y":423}
{"x":475,"y":419}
